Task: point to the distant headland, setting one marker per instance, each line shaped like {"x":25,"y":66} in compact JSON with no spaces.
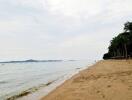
{"x":31,"y":60}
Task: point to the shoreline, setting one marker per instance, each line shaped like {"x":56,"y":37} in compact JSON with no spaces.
{"x":48,"y":88}
{"x":110,"y":79}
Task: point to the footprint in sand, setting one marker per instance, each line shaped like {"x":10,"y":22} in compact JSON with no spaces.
{"x":108,"y":86}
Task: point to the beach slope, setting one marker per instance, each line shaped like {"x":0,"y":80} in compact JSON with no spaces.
{"x":106,"y":80}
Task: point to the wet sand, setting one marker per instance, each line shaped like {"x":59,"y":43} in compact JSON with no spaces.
{"x":106,"y":80}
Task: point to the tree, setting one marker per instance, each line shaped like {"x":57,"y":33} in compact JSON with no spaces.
{"x":128,"y":27}
{"x":121,"y":45}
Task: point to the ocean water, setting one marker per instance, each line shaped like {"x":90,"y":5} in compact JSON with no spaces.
{"x":19,"y":79}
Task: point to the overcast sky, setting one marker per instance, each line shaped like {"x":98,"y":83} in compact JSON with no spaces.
{"x":60,"y":29}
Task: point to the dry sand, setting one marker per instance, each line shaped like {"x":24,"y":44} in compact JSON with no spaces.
{"x":106,"y":80}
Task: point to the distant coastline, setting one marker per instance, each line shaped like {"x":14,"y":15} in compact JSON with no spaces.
{"x":31,"y":60}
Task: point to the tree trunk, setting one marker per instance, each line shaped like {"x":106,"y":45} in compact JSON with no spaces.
{"x":125,"y":50}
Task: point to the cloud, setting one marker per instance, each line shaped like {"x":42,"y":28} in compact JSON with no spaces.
{"x":75,"y":8}
{"x":51,"y":29}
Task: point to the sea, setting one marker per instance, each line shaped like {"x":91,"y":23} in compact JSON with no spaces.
{"x":33,"y":80}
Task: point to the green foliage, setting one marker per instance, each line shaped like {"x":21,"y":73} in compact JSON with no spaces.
{"x":106,"y":56}
{"x":121,"y":45}
{"x":128,"y":26}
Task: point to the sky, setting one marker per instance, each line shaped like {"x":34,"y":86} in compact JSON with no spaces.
{"x":60,"y":29}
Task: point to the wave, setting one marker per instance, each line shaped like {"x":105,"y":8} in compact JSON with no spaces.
{"x":29,"y":91}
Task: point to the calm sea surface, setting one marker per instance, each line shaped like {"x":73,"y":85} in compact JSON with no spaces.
{"x":18,"y":77}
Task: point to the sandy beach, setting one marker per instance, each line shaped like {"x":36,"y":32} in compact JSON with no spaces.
{"x":106,"y":80}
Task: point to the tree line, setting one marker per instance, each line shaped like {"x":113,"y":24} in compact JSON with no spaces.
{"x":121,"y":46}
